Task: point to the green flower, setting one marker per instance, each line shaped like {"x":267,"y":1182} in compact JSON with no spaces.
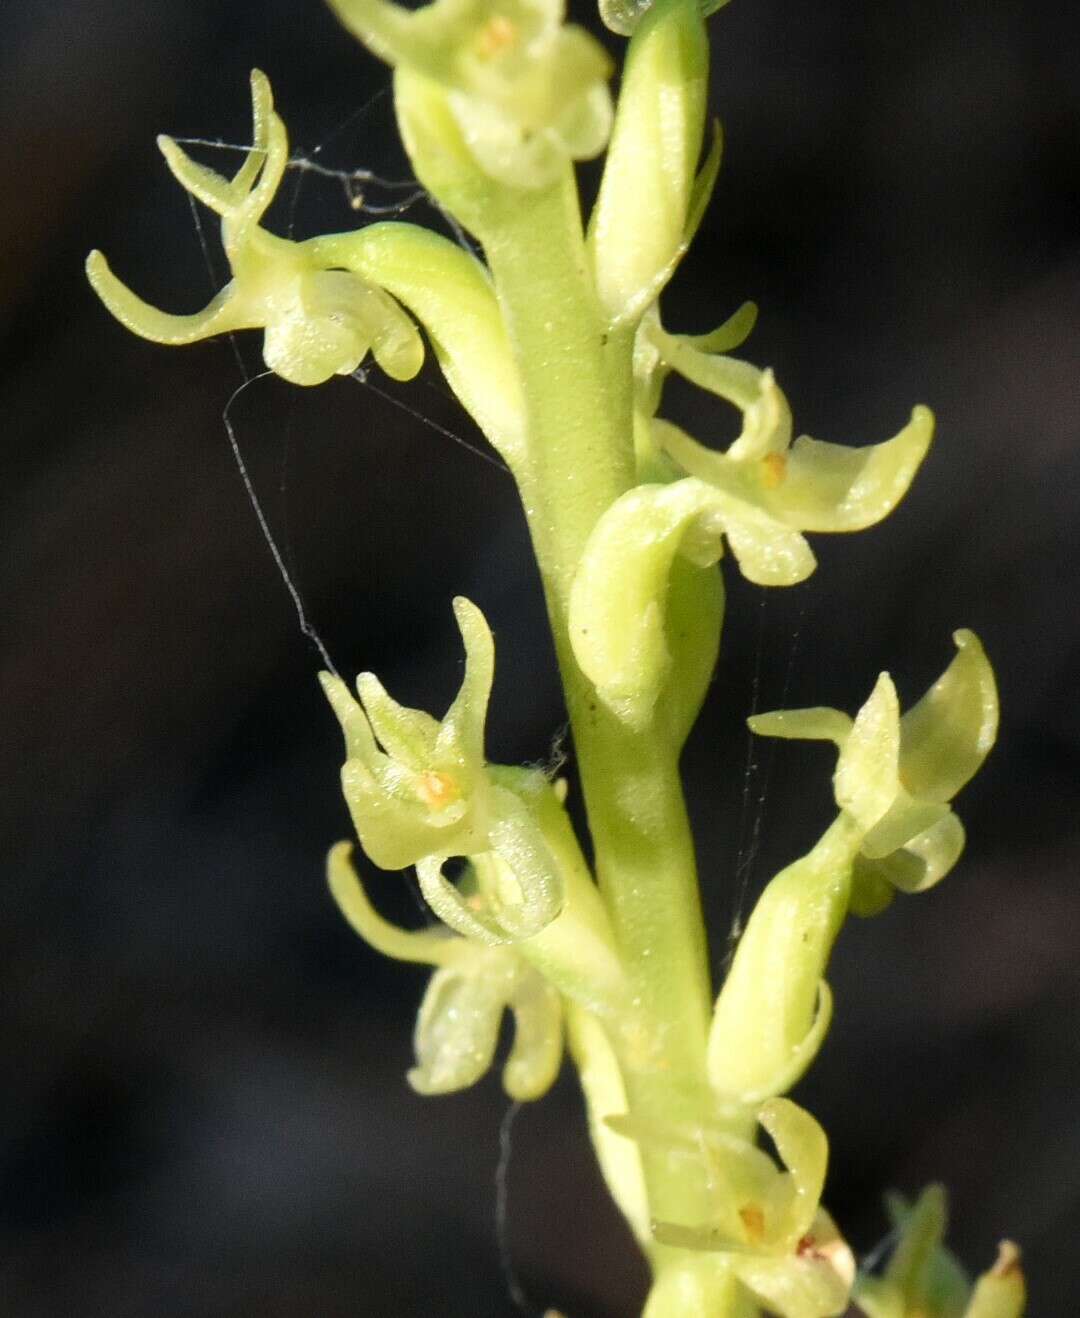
{"x":765,"y":490}
{"x":420,"y":792}
{"x":526,"y":91}
{"x":759,"y":497}
{"x":895,"y":776}
{"x":924,"y":1280}
{"x":457,"y":1027}
{"x":318,"y":322}
{"x":894,"y":779}
{"x":769,"y":1227}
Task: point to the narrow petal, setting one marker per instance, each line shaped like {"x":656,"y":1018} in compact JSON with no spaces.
{"x":205,"y":184}
{"x":359,"y":740}
{"x":428,"y":946}
{"x":262,"y":105}
{"x":804,"y":1150}
{"x":407,"y":735}
{"x":530,"y":891}
{"x":731,"y":334}
{"x":273,"y":140}
{"x":460,"y":913}
{"x":536,"y":1053}
{"x":816,"y":724}
{"x":462,"y":730}
{"x":219,"y":317}
{"x":867,"y":778}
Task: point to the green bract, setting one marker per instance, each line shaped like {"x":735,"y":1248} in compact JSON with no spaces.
{"x":639,"y":226}
{"x":526,"y":92}
{"x":319,"y":322}
{"x":775,"y":1007}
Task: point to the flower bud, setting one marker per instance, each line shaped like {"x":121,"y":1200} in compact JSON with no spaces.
{"x":638,"y":228}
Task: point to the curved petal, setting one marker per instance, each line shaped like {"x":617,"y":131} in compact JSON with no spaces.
{"x":731,"y":334}
{"x":262,"y":107}
{"x":832,"y":487}
{"x":465,"y":915}
{"x":813,"y":1282}
{"x":220,"y":316}
{"x":273,"y":142}
{"x":206,"y":185}
{"x":462,"y":730}
{"x":916,"y":866}
{"x":536,"y":1053}
{"x":947,"y":735}
{"x":428,"y":946}
{"x":804,"y":1151}
{"x":457,"y":1027}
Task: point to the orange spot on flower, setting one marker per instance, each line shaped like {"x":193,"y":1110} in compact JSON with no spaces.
{"x":495,"y":36}
{"x":773,"y":469}
{"x":437,"y":790}
{"x":753,"y":1220}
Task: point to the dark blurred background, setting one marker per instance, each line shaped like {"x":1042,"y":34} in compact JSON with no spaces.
{"x":205,"y":1111}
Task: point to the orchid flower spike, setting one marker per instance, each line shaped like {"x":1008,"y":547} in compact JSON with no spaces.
{"x":457,"y":1027}
{"x":527,"y":91}
{"x":420,"y":793}
{"x":318,"y":322}
{"x":895,"y":776}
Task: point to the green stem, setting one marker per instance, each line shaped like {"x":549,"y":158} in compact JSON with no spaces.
{"x":576,"y":382}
